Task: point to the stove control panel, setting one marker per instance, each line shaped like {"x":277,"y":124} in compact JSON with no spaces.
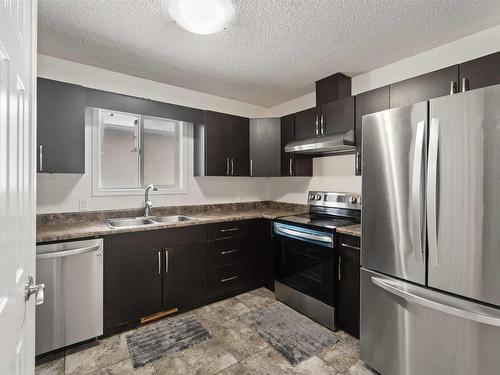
{"x":336,"y":200}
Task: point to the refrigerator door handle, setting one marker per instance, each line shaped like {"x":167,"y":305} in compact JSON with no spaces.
{"x":416,"y":193}
{"x":432,"y":170}
{"x":440,"y":302}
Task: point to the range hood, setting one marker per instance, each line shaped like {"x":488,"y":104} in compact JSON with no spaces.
{"x":329,"y":144}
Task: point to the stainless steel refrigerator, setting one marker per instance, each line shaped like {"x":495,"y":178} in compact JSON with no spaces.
{"x":430,"y":283}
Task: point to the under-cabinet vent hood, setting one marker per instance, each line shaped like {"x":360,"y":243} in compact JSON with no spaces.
{"x":329,"y":144}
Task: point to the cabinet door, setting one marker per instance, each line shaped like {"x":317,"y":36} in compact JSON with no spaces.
{"x":424,"y":87}
{"x":218,"y":143}
{"x":185,"y":276}
{"x":261,"y":253}
{"x":287,"y":135}
{"x":238,"y":133}
{"x":366,"y":103}
{"x":132,"y":278}
{"x":338,"y":116}
{"x":307,"y":123}
{"x":265,"y":142}
{"x":348,"y":285}
{"x":481,"y":72}
{"x":60,"y":127}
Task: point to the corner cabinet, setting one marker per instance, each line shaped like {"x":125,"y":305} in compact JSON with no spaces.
{"x":292,"y":164}
{"x":60,"y":127}
{"x":348,"y":290}
{"x":222,"y":146}
{"x":265,"y":141}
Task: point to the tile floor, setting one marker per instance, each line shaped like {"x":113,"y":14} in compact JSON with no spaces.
{"x":235,"y":350}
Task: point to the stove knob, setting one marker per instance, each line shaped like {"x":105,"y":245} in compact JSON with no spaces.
{"x":311,"y":197}
{"x":318,"y":197}
{"x":353,"y":200}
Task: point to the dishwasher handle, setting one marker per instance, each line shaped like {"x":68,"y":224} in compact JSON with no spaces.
{"x":65,"y":253}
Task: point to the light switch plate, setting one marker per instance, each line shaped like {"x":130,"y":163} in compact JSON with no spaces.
{"x":83,"y":204}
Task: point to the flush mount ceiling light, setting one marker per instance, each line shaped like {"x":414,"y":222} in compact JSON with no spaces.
{"x":201,"y":16}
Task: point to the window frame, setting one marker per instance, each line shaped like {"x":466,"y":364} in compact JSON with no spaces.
{"x":97,"y":190}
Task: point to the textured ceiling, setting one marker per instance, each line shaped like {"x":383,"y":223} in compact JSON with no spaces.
{"x":272,"y":52}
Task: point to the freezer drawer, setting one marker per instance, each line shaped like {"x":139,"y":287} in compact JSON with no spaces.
{"x":411,"y":330}
{"x":73,"y":308}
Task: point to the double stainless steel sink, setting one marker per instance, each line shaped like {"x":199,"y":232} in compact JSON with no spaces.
{"x":142,"y":221}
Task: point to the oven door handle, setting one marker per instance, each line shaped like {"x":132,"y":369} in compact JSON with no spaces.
{"x":308,"y":236}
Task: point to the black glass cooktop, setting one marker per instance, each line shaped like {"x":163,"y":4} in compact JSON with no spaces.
{"x":321,"y":221}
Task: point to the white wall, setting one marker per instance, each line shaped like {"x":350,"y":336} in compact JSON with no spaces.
{"x":62,"y":192}
{"x":337,"y":172}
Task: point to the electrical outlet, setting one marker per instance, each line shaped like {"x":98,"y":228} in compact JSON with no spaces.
{"x":83,"y":204}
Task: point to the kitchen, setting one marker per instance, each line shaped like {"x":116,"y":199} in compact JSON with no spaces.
{"x":177,"y":213}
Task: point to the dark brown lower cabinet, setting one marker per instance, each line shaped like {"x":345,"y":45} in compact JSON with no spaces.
{"x":347,"y":312}
{"x":261,"y":254}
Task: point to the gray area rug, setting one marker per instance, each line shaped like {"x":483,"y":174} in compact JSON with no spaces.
{"x":164,"y":338}
{"x":293,"y":335}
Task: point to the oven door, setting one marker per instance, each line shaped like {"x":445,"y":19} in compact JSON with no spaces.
{"x":305,"y":261}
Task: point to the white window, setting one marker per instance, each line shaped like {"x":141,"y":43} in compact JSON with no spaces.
{"x":132,"y":151}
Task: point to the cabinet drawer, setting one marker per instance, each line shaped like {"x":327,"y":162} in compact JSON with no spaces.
{"x":225,"y":279}
{"x":227,"y":251}
{"x":349,"y":242}
{"x":228,"y":229}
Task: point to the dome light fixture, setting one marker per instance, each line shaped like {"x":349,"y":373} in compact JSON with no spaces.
{"x":201,"y":16}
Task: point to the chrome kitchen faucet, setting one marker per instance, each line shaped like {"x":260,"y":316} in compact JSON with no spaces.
{"x":147,"y":204}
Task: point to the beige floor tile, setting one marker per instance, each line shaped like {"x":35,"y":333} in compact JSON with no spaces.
{"x":125,"y":368}
{"x":255,"y":299}
{"x":209,"y":357}
{"x":96,"y":355}
{"x":360,"y":368}
{"x":219,"y":311}
{"x":50,"y":365}
{"x":270,"y":362}
{"x":237,"y":338}
{"x":236,"y":369}
{"x":342,"y":355}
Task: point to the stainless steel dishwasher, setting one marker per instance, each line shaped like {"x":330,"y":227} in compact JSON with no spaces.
{"x":73,"y":308}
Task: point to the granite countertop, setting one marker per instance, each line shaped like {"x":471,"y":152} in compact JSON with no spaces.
{"x":66,"y":226}
{"x":353,"y":230}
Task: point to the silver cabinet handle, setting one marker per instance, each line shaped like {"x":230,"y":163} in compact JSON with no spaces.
{"x":416,"y":193}
{"x":339,"y":270}
{"x":232,"y":167}
{"x":229,"y":279}
{"x":322,"y":124}
{"x":227,"y":166}
{"x":251,"y":167}
{"x":464,"y":84}
{"x":159,"y":262}
{"x":65,"y":253}
{"x":166,"y":261}
{"x":229,"y":230}
{"x":317,"y":125}
{"x":453,"y":87}
{"x":290,"y":165}
{"x":40,"y":157}
{"x":431,"y":192}
{"x":349,"y":246}
{"x":228,"y":252}
{"x":439,"y":301}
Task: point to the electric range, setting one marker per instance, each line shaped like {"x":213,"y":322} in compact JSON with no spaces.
{"x":306,"y":253}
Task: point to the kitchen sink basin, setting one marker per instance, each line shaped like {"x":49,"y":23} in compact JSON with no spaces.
{"x":141,"y":221}
{"x":170,"y":219}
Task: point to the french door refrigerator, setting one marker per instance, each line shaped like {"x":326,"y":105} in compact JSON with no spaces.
{"x":430,"y":283}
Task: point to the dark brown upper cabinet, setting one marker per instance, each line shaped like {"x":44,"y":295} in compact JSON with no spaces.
{"x":481,"y":72}
{"x":292,"y":164}
{"x":337,"y":116}
{"x":60,"y":127}
{"x":307,"y":123}
{"x":222,"y":146}
{"x":265,"y":142}
{"x":427,"y":86}
{"x":331,"y":88}
{"x":366,"y":103}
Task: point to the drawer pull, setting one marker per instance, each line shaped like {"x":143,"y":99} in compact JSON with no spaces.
{"x":229,"y":279}
{"x":228,"y":252}
{"x":349,"y":246}
{"x":229,"y":230}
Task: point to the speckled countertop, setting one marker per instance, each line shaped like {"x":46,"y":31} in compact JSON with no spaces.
{"x":76,"y":225}
{"x":353,"y":230}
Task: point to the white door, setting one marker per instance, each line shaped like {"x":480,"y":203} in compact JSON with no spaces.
{"x":17,"y":184}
